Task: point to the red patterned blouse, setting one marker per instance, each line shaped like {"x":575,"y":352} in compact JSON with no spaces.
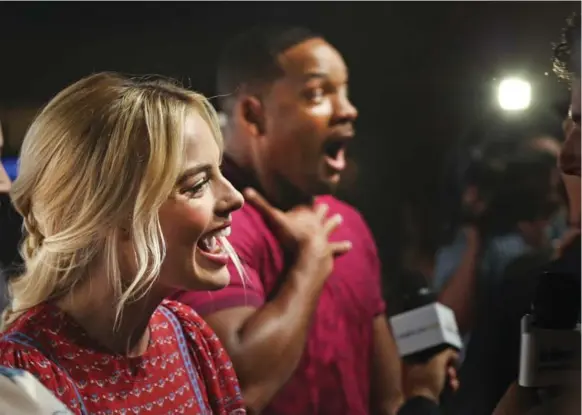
{"x":185,"y":369}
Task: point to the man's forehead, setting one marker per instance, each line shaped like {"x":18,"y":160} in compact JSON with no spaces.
{"x":312,"y":57}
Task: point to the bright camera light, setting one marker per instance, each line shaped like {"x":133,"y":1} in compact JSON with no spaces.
{"x":514,"y":94}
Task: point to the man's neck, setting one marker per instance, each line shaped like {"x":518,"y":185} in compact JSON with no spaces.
{"x":275,"y":188}
{"x":285,"y":196}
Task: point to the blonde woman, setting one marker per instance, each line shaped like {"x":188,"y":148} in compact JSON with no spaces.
{"x":123,"y":203}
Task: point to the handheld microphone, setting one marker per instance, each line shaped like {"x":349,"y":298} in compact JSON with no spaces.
{"x":550,"y":335}
{"x":425,"y":327}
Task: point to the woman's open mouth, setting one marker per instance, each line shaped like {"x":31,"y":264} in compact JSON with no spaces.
{"x":211,"y":246}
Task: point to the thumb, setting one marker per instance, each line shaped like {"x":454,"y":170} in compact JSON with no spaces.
{"x":453,"y":378}
{"x":271,"y":214}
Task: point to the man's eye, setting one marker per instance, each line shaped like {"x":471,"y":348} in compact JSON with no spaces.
{"x":315,"y":94}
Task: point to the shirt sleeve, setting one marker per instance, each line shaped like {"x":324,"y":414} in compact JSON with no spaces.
{"x":47,"y":380}
{"x":22,"y":393}
{"x":244,"y":290}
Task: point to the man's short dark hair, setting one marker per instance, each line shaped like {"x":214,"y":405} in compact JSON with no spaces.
{"x":250,"y":59}
{"x":567,"y":52}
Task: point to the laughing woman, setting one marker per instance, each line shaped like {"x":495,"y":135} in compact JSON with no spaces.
{"x":123,"y":203}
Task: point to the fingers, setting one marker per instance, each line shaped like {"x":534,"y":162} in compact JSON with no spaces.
{"x":340,"y":248}
{"x":449,"y":357}
{"x":453,"y":378}
{"x":332,"y":223}
{"x":321,"y":210}
{"x":337,"y":248}
{"x":259,"y":202}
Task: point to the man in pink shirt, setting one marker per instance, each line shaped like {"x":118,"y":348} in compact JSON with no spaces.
{"x":305,"y":327}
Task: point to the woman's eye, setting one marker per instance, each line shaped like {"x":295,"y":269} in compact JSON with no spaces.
{"x":197,"y":189}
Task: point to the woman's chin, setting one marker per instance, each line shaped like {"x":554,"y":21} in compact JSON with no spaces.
{"x":211,"y":279}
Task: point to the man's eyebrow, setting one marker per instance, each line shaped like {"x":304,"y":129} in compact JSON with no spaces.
{"x":314,"y":75}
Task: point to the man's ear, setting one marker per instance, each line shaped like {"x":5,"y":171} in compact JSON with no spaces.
{"x":253,"y":114}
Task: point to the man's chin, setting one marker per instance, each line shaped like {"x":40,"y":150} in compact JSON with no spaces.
{"x":326,"y":186}
{"x":314,"y":185}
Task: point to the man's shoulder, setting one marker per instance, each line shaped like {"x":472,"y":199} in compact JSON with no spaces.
{"x":250,"y":236}
{"x":350,"y":213}
{"x":248,"y":220}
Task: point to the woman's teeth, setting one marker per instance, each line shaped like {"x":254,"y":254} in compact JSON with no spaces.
{"x":211,"y":243}
{"x":223,"y":232}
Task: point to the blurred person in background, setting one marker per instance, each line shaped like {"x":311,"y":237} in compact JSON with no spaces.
{"x":9,"y":231}
{"x":515,"y":298}
{"x":306,"y":330}
{"x":511,"y":203}
{"x":5,"y":181}
{"x":124,"y":203}
{"x":521,"y":214}
{"x":457,"y":264}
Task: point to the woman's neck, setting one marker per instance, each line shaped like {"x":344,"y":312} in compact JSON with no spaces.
{"x":94,"y":310}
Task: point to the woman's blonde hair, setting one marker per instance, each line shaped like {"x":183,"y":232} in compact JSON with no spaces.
{"x":100,"y":159}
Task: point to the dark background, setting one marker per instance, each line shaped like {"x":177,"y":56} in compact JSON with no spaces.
{"x":422,"y":76}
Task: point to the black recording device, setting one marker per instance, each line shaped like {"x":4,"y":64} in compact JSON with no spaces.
{"x":550,"y":334}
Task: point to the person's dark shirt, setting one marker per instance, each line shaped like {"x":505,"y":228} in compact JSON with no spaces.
{"x":10,"y":236}
{"x":492,"y":360}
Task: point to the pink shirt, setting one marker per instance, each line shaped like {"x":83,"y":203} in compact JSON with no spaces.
{"x":333,"y":376}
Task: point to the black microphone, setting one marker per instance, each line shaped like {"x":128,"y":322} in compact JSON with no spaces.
{"x":550,"y":334}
